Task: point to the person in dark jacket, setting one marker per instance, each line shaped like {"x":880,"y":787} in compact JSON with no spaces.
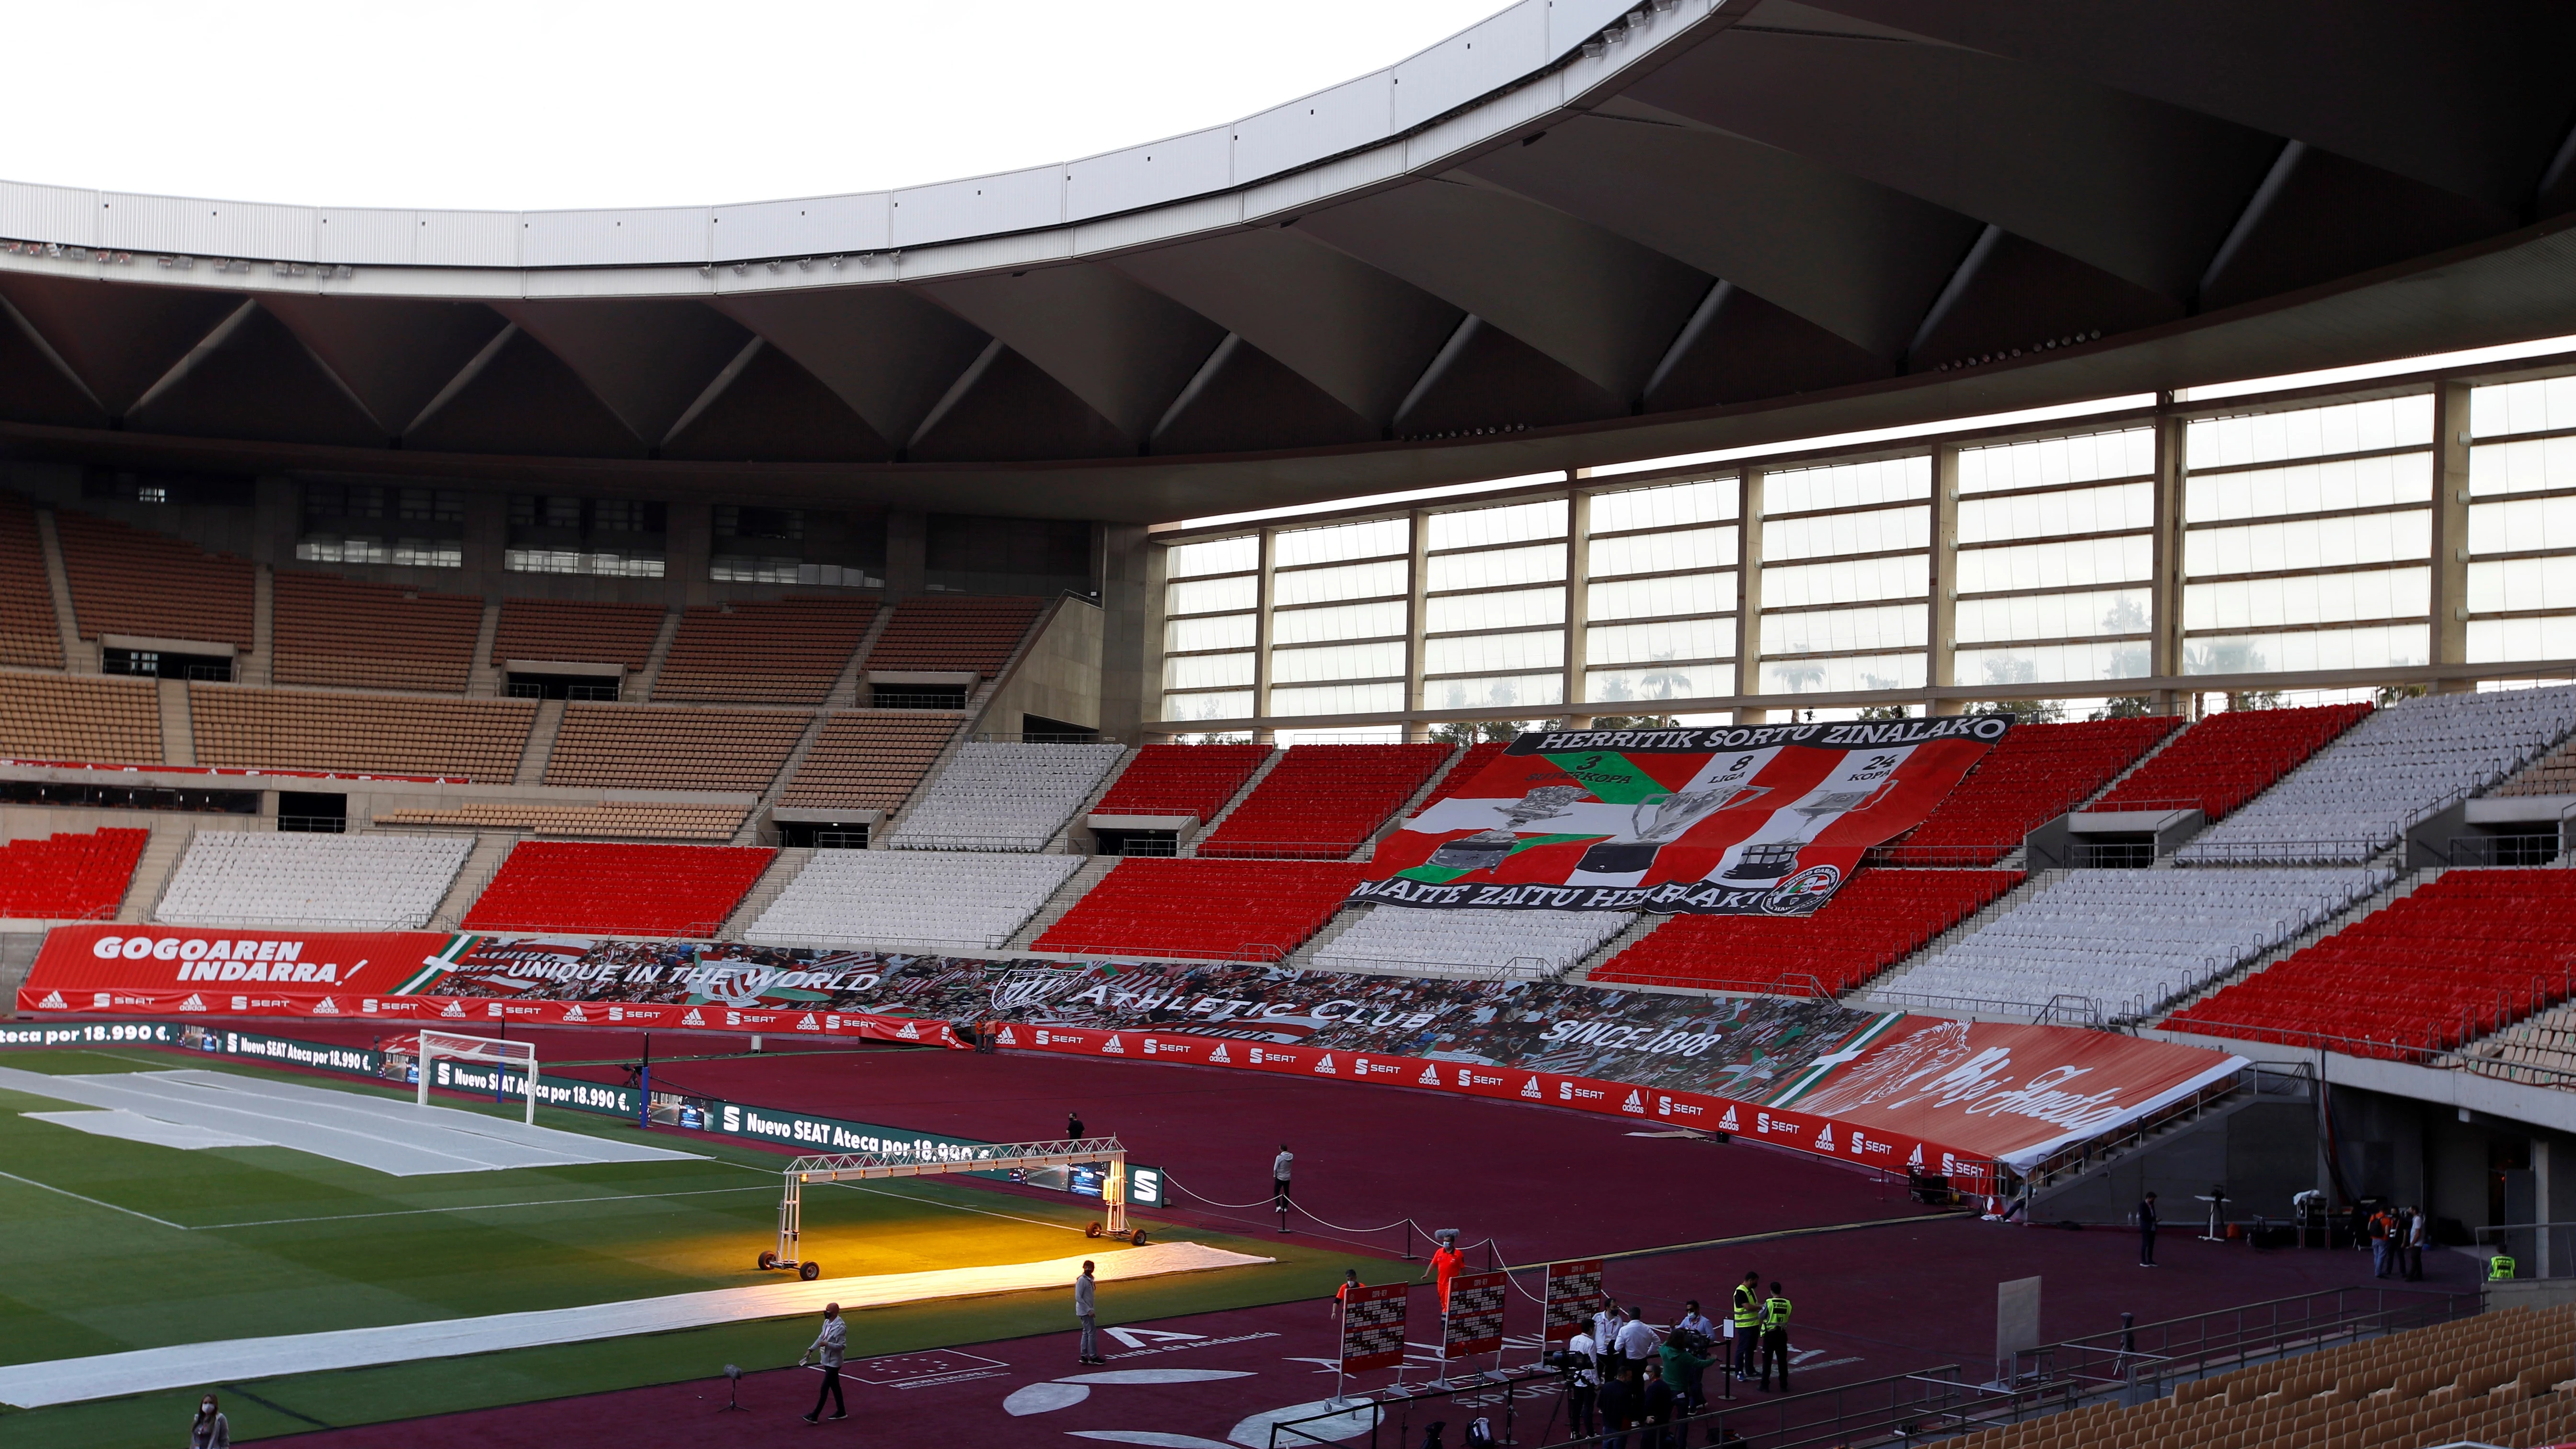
{"x":2147,"y":1231}
{"x":1618,"y":1410}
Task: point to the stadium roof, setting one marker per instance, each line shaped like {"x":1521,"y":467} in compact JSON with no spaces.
{"x":1579,"y":232}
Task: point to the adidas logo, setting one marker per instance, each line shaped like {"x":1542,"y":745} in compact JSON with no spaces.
{"x":1008,"y":1037}
{"x":1530,"y":1090}
{"x":911,"y":1032}
{"x":808,"y":1023}
{"x":1825,"y":1139}
{"x":53,"y":1002}
{"x":1727,"y":1122}
{"x":575,"y":1013}
{"x":1116,"y":1046}
{"x":193,"y":1003}
{"x":1634,"y":1104}
{"x":1325,"y":1066}
{"x":1430,"y":1077}
{"x":1221,"y":1056}
{"x":692,"y":1019}
{"x":1916,"y":1161}
{"x":454,"y":1008}
{"x":326,"y":1007}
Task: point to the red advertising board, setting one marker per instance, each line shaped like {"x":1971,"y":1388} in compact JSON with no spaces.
{"x":1573,"y":1292}
{"x":1474,"y":1322}
{"x":1373,"y":1327}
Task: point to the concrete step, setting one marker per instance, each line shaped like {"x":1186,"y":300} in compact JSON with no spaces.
{"x":772,"y":884}
{"x":152,"y":870}
{"x":541,"y":743}
{"x":483,"y":680}
{"x":1412,"y":802}
{"x":1890,"y":978}
{"x":645,"y":681}
{"x":1303,"y":958}
{"x":845,"y":689}
{"x":491,"y":848}
{"x":17,"y":956}
{"x":1075,"y":887}
{"x":750,"y":832}
{"x":1064,"y":841}
{"x":1637,"y":930}
{"x":1260,"y":773}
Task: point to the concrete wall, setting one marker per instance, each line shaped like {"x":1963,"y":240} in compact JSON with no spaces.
{"x":1059,"y":676}
{"x":2263,"y":1152}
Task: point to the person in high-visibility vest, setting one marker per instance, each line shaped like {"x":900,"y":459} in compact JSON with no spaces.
{"x":1775,"y":1338}
{"x":2499,"y":1268}
{"x":1747,"y":1318}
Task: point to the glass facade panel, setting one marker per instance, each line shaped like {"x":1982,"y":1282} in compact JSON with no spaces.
{"x":2309,"y":543}
{"x":1216,"y":556}
{"x":2054,"y":616}
{"x":1838,"y":676}
{"x":2542,"y":405}
{"x":2360,"y":427}
{"x":1350,"y":581}
{"x":2115,"y":509}
{"x":2043,"y":462}
{"x":1655,"y":553}
{"x":1494,"y":653}
{"x":2308,"y":599}
{"x":1853,"y":581}
{"x":1235,"y":705}
{"x":2495,"y":640}
{"x":2519,"y":585}
{"x":1516,"y":523}
{"x":1651,"y":643}
{"x":1847,"y":485}
{"x":2518,"y":525}
{"x":1338,"y":699}
{"x":1226,"y":631}
{"x":1519,"y":691}
{"x":1497,"y":569}
{"x":1206,"y":671}
{"x":1515,"y":610}
{"x":1347,"y":621}
{"x":2056,"y":565}
{"x":1648,"y":683}
{"x":2050,"y":663}
{"x":1672,"y":505}
{"x":1337,"y":661}
{"x":1883,"y":626}
{"x":2381,"y":482}
{"x":1212,"y":596}
{"x":1656,"y":598}
{"x":1342,"y":541}
{"x":1881,"y":530}
{"x":2531,"y":465}
{"x":2364,"y":648}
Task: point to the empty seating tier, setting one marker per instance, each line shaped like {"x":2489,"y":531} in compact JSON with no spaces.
{"x":333,"y":631}
{"x":319,"y":882}
{"x":2228,"y":759}
{"x":2128,"y":941}
{"x":2497,"y":1378}
{"x":998,"y":795}
{"x":1469,"y":766}
{"x":2473,"y":951}
{"x":547,"y":630}
{"x":870,"y":759}
{"x":2353,"y":798}
{"x":1182,"y":780}
{"x":1322,"y":802}
{"x":359,"y":734}
{"x":29,"y":637}
{"x":954,"y":903}
{"x":711,"y":823}
{"x":2540,"y":1050}
{"x":2038,"y":773}
{"x":954,"y":633}
{"x":1877,"y":919}
{"x":786,"y":651}
{"x":102,"y":721}
{"x":1203,"y":910}
{"x":69,"y":877}
{"x":673,"y":749}
{"x":129,"y":581}
{"x":1519,"y":945}
{"x":638,"y":890}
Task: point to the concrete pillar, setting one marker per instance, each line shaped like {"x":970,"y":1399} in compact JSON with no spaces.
{"x":1417,"y":572}
{"x":1578,"y":604}
{"x":1262,"y":734}
{"x":2165,"y":576}
{"x":2451,"y":531}
{"x":1942,"y":635}
{"x":907,"y":553}
{"x":1131,"y":623}
{"x":1748,"y":597}
{"x":688,"y":544}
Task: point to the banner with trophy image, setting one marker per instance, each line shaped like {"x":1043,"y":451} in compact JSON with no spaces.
{"x":1719,"y":820}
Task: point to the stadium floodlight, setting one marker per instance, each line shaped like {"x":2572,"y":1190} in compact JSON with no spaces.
{"x":495,"y":1052}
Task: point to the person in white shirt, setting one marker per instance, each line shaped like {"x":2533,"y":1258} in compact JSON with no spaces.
{"x":828,"y":1343}
{"x":1582,"y":1383}
{"x":1085,"y":1313}
{"x":1606,"y":1323}
{"x":1279,"y":1183}
{"x":1638,"y":1344}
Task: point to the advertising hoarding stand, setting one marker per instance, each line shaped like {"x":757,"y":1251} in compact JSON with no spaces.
{"x":1372,"y":1334}
{"x":1472,"y":1321}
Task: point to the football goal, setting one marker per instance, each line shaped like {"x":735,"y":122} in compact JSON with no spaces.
{"x":500,"y":1055}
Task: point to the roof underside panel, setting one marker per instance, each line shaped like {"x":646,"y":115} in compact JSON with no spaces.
{"x":118,"y":340}
{"x":774,"y":411}
{"x":394,"y":357}
{"x":1123,"y":348}
{"x":884,"y":350}
{"x":648,"y":361}
{"x":523,"y":399}
{"x":258,"y":381}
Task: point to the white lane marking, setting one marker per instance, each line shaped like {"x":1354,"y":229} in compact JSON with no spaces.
{"x":1156,"y":1376}
{"x":93,"y":1202}
{"x":478,"y":1207}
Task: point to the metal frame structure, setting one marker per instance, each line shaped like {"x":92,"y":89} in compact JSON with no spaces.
{"x":504,"y":1051}
{"x":834,"y":1167}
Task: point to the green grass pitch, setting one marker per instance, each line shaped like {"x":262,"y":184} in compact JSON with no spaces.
{"x":256,"y":1241}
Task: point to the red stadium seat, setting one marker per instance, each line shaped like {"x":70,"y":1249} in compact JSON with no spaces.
{"x":1223,"y":910}
{"x":1876,"y":920}
{"x":2228,"y":759}
{"x":1322,"y":802}
{"x":2038,"y":773}
{"x":69,"y":877}
{"x":638,"y":890}
{"x":1182,"y":780}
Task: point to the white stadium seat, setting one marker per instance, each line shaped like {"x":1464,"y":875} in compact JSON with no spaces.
{"x":1532,"y":944}
{"x":946,"y":902}
{"x":325,"y":882}
{"x":996,"y":795}
{"x":2403,"y":764}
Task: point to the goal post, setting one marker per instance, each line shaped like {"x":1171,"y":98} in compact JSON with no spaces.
{"x":495,"y":1052}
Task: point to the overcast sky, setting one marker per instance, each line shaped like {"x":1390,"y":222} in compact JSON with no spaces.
{"x":545,"y":103}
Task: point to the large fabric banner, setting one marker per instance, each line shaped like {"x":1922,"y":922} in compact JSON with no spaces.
{"x":1718,"y":820}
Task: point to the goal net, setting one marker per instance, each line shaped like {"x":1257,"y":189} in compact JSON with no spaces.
{"x":502,"y":1057}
